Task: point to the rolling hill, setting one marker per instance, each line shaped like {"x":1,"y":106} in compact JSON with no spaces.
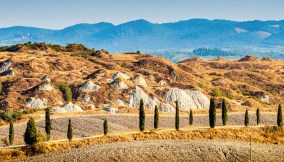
{"x":146,"y":36}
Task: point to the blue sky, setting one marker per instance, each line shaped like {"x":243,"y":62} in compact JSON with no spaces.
{"x":57,"y":14}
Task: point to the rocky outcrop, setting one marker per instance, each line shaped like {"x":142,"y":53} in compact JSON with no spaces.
{"x":70,"y":107}
{"x":89,"y":86}
{"x":118,"y":83}
{"x":249,"y":58}
{"x":187,"y":99}
{"x":162,"y":83}
{"x":138,"y":94}
{"x":120,"y":75}
{"x":140,"y":81}
{"x":4,"y":66}
{"x":167,"y":108}
{"x":37,"y":103}
{"x":46,"y":79}
{"x":45,"y":86}
{"x":120,"y":102}
{"x":8,"y":73}
{"x":87,"y":102}
{"x":267,"y":59}
{"x":112,"y":110}
{"x":174,"y":75}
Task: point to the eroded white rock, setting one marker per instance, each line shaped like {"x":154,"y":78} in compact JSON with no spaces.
{"x":45,"y":86}
{"x":4,"y":66}
{"x":138,"y":94}
{"x":37,"y":103}
{"x":120,"y":74}
{"x":140,"y":81}
{"x":70,"y":107}
{"x":167,"y":108}
{"x":120,"y":102}
{"x":89,"y":86}
{"x":119,"y":84}
{"x":112,"y":110}
{"x":187,"y":99}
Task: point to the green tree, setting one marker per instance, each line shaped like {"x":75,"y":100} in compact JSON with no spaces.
{"x":30,"y":135}
{"x":224,"y":112}
{"x":156,"y":117}
{"x":11,"y":133}
{"x":105,"y":127}
{"x":257,"y":116}
{"x":70,"y":131}
{"x":141,"y":116}
{"x":279,"y":116}
{"x":246,"y":118}
{"x":47,"y":123}
{"x":66,"y":91}
{"x":177,"y":116}
{"x":190,"y":120}
{"x":212,"y":113}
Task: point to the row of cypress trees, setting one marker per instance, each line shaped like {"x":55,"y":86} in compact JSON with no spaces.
{"x":212,"y":115}
{"x":31,"y":134}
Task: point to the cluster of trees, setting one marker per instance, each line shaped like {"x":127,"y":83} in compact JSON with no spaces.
{"x":31,"y":135}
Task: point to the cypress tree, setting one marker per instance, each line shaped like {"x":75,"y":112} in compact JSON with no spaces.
{"x":69,"y":131}
{"x":141,"y":116}
{"x":257,"y":116}
{"x":105,"y":127}
{"x":30,"y":136}
{"x":279,"y":116}
{"x":47,"y":123}
{"x":156,"y":117}
{"x":246,"y":118}
{"x":212,"y":113}
{"x":11,"y":133}
{"x":190,"y":120}
{"x":177,"y":116}
{"x":224,"y":113}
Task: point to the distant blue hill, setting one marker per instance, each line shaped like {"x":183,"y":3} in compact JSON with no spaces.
{"x":146,"y":36}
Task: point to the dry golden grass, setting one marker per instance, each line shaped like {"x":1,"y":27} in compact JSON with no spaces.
{"x":273,"y":135}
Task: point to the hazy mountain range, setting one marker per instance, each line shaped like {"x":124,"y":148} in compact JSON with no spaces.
{"x":146,"y":36}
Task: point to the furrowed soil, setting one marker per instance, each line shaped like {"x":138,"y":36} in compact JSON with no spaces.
{"x":168,"y":150}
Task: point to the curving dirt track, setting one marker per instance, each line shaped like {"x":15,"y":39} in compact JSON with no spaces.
{"x":168,"y":150}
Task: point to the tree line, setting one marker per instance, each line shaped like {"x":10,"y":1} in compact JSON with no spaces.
{"x":31,"y":134}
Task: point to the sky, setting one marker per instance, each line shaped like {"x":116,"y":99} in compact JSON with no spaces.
{"x":57,"y":14}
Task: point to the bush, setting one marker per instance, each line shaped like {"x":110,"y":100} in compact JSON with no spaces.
{"x":66,"y":91}
{"x":216,"y":92}
{"x":9,"y":115}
